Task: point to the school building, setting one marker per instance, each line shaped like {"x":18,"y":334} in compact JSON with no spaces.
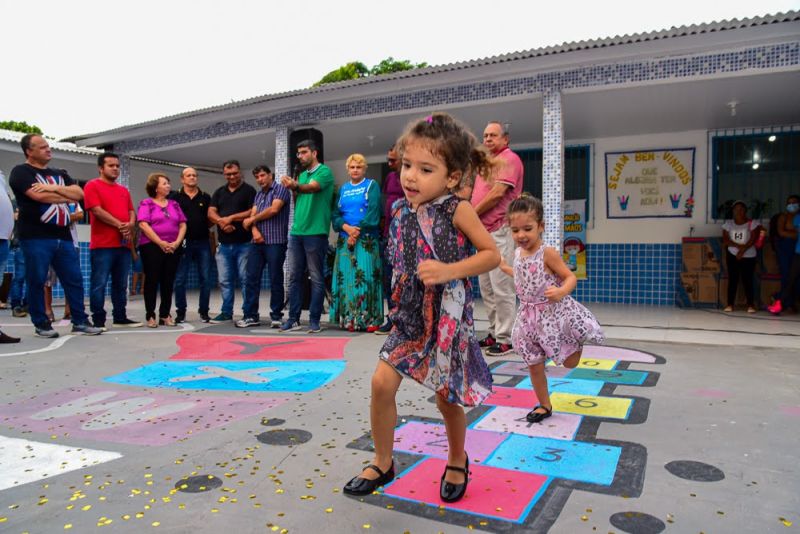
{"x":646,"y":136}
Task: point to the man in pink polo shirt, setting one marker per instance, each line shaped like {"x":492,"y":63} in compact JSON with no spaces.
{"x":490,"y":200}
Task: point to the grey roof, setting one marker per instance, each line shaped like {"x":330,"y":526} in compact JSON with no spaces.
{"x":63,"y":146}
{"x":680,"y":31}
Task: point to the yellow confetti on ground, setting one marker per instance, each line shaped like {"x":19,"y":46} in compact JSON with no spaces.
{"x":126,"y":517}
{"x":87,"y":507}
{"x":214,"y":510}
{"x":139,"y":515}
{"x":328,"y":510}
{"x":367,"y":525}
{"x":583,"y":517}
{"x":155,"y":523}
{"x":68,"y":526}
{"x":786,"y":522}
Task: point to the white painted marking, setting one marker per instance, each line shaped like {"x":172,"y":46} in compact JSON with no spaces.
{"x":248,"y":376}
{"x":111,"y":414}
{"x":58,"y":342}
{"x":23,"y":461}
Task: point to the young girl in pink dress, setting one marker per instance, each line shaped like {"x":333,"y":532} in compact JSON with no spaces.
{"x":550,"y":323}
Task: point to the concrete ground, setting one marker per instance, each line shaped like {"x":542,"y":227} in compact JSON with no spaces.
{"x":684,"y":423}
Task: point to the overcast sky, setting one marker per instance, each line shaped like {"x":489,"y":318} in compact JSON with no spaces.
{"x":77,"y":67}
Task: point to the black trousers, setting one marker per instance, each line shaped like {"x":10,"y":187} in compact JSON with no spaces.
{"x":740,"y":269}
{"x":159,"y":274}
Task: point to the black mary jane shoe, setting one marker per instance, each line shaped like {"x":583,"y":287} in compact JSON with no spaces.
{"x":450,"y":492}
{"x":534,"y":416}
{"x":364,"y":486}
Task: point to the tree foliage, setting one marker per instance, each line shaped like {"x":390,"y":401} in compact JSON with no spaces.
{"x":20,"y":126}
{"x":356,"y":69}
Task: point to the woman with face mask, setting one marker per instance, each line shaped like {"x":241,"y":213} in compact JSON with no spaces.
{"x":787,"y":247}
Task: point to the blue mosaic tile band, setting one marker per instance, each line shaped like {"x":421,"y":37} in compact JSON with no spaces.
{"x":124,"y":171}
{"x":753,"y":59}
{"x":553,"y":169}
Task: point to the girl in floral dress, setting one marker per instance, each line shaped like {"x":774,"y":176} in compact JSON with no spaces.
{"x":433,"y":339}
{"x":550,"y":323}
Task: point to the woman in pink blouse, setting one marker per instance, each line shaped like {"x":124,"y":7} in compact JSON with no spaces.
{"x":163,"y":226}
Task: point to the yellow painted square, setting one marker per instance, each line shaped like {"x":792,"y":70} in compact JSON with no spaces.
{"x":611,"y":407}
{"x":596,"y":363}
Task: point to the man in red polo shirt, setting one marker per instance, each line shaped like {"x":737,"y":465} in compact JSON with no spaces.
{"x":112,"y":222}
{"x":491,"y":200}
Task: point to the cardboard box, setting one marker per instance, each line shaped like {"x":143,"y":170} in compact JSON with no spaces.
{"x":741,"y":299}
{"x":698,"y":290}
{"x":701,"y":254}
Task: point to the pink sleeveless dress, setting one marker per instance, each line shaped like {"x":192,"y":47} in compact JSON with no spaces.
{"x":545,"y":329}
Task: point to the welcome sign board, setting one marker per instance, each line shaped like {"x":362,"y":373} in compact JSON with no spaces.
{"x":650,"y":183}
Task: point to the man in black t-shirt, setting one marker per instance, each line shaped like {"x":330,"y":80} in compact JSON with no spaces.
{"x":230,"y":205}
{"x":196,"y":250}
{"x":42,"y":195}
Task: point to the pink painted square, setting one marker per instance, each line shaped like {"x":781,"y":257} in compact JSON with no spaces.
{"x":431,"y":440}
{"x":135,"y":417}
{"x":492,"y":492}
{"x":246,"y":348}
{"x":512,"y":421}
{"x":513,"y":397}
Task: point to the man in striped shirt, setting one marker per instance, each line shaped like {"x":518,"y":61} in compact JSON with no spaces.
{"x":269,"y":220}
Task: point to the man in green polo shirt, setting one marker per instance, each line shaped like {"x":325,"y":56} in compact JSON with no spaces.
{"x":308,"y":238}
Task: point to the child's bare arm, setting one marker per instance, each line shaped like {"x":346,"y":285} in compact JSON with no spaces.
{"x":554,"y":262}
{"x":487,"y":258}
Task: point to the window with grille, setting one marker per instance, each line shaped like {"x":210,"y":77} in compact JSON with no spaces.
{"x":577,"y":165}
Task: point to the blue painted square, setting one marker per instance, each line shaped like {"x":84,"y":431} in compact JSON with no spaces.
{"x":567,"y":385}
{"x":262,"y":375}
{"x":632,"y":378}
{"x":571,"y":460}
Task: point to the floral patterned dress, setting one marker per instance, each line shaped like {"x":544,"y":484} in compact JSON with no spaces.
{"x":433,"y":340}
{"x":545,"y":329}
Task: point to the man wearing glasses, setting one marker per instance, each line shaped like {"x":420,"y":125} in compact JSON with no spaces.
{"x":230,"y":205}
{"x":308,"y":238}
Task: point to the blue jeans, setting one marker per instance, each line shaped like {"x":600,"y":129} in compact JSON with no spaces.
{"x":307,"y":252}
{"x":231,"y":264}
{"x":116,"y":263}
{"x":273,"y":257}
{"x":16,"y":296}
{"x":196,"y":251}
{"x":4,"y":251}
{"x":40,"y":254}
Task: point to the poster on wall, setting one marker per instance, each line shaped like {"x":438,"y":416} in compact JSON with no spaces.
{"x":650,"y":183}
{"x":574,"y":244}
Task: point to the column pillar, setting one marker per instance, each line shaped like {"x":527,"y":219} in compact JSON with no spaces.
{"x":553,"y":169}
{"x":282,"y":169}
{"x":124,"y":171}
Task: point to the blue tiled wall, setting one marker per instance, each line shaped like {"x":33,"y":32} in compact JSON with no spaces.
{"x":631,"y":273}
{"x":623,"y":273}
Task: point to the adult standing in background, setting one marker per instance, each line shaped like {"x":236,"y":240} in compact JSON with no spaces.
{"x":791,"y":228}
{"x":308,"y":239}
{"x":6,"y":230}
{"x":230,"y":205}
{"x":269,"y":222}
{"x":739,"y":236}
{"x":42,"y":195}
{"x":163,"y":227}
{"x":112,"y":222}
{"x":194,"y":204}
{"x":357,"y":302}
{"x":491,"y":198}
{"x":392,"y":192}
{"x":784,"y":239}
